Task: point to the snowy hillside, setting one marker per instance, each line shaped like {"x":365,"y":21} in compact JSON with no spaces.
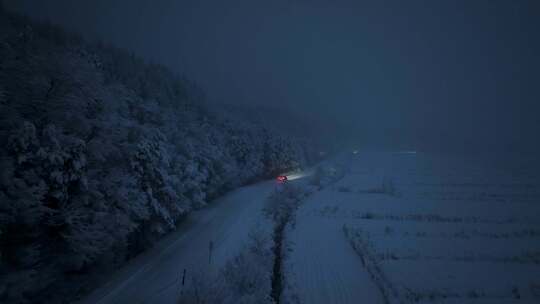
{"x":101,"y":155}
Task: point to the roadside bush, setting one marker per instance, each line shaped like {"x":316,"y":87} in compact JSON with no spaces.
{"x":325,"y":175}
{"x":244,"y":279}
{"x":387,"y":187}
{"x":283,"y":202}
{"x":316,"y":177}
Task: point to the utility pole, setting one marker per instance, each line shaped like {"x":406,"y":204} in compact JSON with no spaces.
{"x":210,"y":249}
{"x":183,"y":282}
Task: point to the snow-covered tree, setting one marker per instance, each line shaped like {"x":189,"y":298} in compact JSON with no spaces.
{"x":101,"y":154}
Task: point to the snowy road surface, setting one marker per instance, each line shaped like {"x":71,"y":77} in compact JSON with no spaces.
{"x":154,"y":277}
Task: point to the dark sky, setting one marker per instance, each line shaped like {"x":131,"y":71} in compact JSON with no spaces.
{"x":409,"y":74}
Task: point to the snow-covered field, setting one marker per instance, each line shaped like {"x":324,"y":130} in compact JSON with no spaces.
{"x":385,"y":228}
{"x":407,"y":228}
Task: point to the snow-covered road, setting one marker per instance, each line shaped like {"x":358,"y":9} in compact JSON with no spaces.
{"x":154,"y":277}
{"x":322,"y":267}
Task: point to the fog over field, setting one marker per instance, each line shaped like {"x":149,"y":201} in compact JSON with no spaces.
{"x":287,"y":151}
{"x":441,"y":75}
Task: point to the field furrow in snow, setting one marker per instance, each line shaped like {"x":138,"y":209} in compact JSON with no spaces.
{"x":324,"y":267}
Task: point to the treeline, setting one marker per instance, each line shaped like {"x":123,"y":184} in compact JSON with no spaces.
{"x":101,"y":154}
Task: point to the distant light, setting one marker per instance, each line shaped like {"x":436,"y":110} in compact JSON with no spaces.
{"x":294,"y":176}
{"x":355,"y":152}
{"x":405,"y":152}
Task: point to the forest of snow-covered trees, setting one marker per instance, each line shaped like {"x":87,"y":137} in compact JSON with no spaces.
{"x":101,"y":154}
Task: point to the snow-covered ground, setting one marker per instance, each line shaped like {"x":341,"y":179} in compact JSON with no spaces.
{"x":155,"y":276}
{"x":390,"y":228}
{"x":440,"y":229}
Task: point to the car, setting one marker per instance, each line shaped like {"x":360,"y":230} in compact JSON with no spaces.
{"x":281,"y":178}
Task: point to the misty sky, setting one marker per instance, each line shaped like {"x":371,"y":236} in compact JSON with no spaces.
{"x":410,"y":74}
